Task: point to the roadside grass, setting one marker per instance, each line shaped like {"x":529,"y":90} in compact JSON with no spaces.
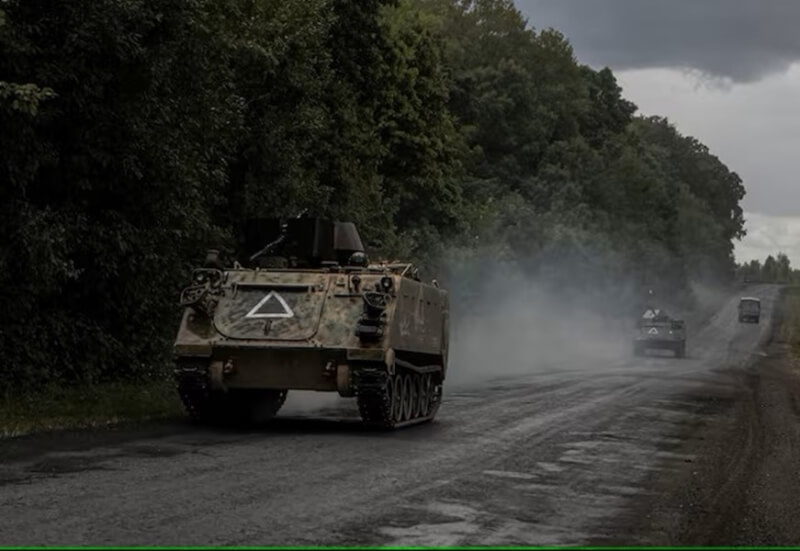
{"x":58,"y":408}
{"x":789,"y":331}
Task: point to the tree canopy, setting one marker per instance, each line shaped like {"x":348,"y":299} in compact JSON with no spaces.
{"x":775,"y":269}
{"x":136,"y":133}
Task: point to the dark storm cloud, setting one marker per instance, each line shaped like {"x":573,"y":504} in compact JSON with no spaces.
{"x":744,"y":40}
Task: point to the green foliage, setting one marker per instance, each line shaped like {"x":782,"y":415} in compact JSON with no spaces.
{"x":57,"y":407}
{"x":108,"y":185}
{"x":775,"y":269}
{"x":137,"y":133}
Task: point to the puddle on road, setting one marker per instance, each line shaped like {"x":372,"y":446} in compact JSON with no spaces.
{"x":622,"y":490}
{"x":585,"y":444}
{"x":447,"y":534}
{"x":581,"y":482}
{"x":459,"y":522}
{"x":511,"y":474}
{"x":513,"y":532}
{"x":151,"y":451}
{"x":549,"y":467}
{"x":677,"y":456}
{"x":65,"y":464}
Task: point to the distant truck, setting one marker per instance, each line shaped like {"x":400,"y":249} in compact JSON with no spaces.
{"x":657,"y":330}
{"x":749,"y":310}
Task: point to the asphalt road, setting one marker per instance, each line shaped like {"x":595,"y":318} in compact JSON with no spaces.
{"x":558,"y":457}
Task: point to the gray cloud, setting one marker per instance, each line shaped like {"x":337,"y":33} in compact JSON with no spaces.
{"x":743,"y":40}
{"x":770,"y":235}
{"x":754,"y":128}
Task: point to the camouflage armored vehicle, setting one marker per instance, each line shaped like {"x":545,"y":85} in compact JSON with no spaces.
{"x":657,"y":330}
{"x":309,"y":312}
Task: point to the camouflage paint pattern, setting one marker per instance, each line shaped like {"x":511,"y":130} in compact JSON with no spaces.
{"x":283,"y":328}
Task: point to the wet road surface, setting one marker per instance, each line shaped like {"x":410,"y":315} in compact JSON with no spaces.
{"x":557,"y":458}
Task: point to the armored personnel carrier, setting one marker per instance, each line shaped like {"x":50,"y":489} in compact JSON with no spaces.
{"x":657,"y":330}
{"x":310,"y":312}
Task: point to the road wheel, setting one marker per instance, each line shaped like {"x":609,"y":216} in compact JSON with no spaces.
{"x":390,"y":401}
{"x":409,"y":398}
{"x":377,"y":397}
{"x":398,"y":397}
{"x":421,"y":401}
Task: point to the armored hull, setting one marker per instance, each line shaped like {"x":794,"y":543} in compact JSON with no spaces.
{"x":660,"y":332}
{"x":375,"y":333}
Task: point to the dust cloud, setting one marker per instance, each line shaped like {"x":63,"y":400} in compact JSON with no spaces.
{"x":514,"y":325}
{"x":505,"y":323}
{"x":707,"y":298}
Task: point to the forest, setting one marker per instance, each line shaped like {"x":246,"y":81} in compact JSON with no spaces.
{"x":774,"y":269}
{"x":136,"y":134}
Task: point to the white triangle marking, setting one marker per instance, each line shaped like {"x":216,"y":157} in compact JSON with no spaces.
{"x":653,"y":331}
{"x":287,"y":312}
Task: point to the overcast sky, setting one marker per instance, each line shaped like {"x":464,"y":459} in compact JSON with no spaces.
{"x":724,"y":71}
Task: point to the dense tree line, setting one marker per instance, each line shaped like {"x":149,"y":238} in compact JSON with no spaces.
{"x":137,"y":132}
{"x":775,"y":269}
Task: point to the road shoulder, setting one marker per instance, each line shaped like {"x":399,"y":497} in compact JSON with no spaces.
{"x":742,"y":487}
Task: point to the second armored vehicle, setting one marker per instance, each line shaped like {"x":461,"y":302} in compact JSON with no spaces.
{"x":309,"y":312}
{"x":657,"y":330}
